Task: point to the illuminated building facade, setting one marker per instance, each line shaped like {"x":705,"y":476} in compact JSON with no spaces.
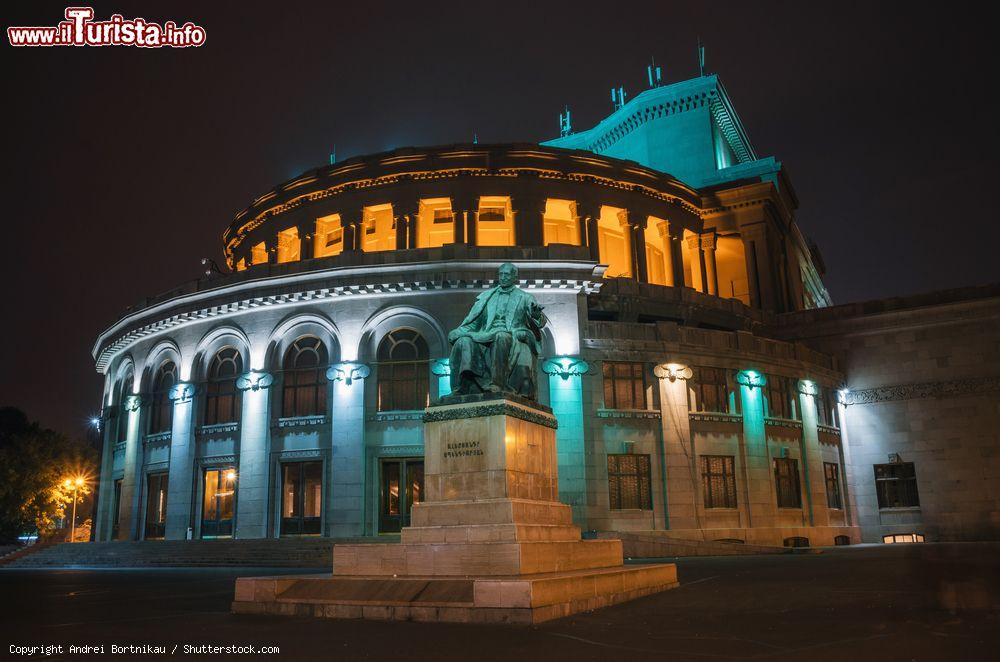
{"x":285,"y":398}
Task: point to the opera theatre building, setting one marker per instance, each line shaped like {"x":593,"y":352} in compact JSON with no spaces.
{"x":705,"y":385}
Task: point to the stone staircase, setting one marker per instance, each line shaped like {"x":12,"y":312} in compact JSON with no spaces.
{"x":267,"y":552}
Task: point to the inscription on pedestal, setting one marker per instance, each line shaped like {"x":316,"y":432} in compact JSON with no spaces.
{"x":462,"y":449}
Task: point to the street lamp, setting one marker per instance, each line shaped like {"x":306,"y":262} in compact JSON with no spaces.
{"x":76,"y":484}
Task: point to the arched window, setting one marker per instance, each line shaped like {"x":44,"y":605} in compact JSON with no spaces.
{"x":304,"y":384}
{"x":124,"y":390}
{"x":161,"y":409}
{"x":402,"y":371}
{"x":222,"y":400}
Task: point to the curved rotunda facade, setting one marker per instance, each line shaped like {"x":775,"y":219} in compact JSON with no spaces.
{"x":285,"y":398}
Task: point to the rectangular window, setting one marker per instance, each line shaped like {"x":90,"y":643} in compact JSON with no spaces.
{"x":711,"y":390}
{"x":779,"y":397}
{"x":494,"y":222}
{"x":786,"y":482}
{"x":301,"y":498}
{"x":329,"y":239}
{"x":832,"y":474}
{"x":289,"y":245}
{"x":896,"y":485}
{"x":718,"y":481}
{"x":156,"y":505}
{"x":826,"y":407}
{"x":435,"y":223}
{"x":561,"y":225}
{"x":625,"y":385}
{"x":628,"y":482}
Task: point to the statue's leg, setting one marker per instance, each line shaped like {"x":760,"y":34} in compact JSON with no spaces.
{"x":461,"y":364}
{"x":499,"y":357}
{"x":523,"y":370}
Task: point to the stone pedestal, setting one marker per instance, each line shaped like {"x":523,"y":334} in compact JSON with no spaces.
{"x":491,"y":542}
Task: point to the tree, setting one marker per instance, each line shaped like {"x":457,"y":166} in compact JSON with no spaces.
{"x":34,"y":465}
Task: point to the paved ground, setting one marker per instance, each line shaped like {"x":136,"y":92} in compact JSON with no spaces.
{"x":887,"y":603}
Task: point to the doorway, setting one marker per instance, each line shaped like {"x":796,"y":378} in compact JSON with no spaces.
{"x":301,"y":498}
{"x":217,"y":505}
{"x":402,"y":485}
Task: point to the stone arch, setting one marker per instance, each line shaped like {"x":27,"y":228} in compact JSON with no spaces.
{"x":396,"y":317}
{"x":294,"y":327}
{"x":164,"y":350}
{"x":223,"y":336}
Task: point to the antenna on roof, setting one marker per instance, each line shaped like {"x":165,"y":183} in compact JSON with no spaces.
{"x":701,"y":58}
{"x":333,"y":155}
{"x":565,"y":125}
{"x":653,"y":73}
{"x":618,"y":97}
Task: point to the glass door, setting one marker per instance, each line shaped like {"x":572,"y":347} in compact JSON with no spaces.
{"x":217,"y":506}
{"x":402,"y":485}
{"x":156,"y":506}
{"x":301,"y":498}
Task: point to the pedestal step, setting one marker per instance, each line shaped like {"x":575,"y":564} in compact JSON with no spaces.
{"x":472,"y":559}
{"x":473,"y":533}
{"x":523,"y":600}
{"x":491,"y":511}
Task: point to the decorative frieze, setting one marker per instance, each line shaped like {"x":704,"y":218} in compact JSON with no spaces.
{"x":941,"y":389}
{"x":158,"y":439}
{"x":217,"y":429}
{"x":628,"y":413}
{"x":382,"y":416}
{"x":783,"y":423}
{"x":714,"y":417}
{"x":495,"y":408}
{"x":301,"y":422}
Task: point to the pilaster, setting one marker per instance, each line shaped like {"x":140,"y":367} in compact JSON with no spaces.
{"x":180,"y":481}
{"x":679,"y":458}
{"x":708,"y":244}
{"x":566,"y":399}
{"x":345,"y":473}
{"x":252,"y":475}
{"x":128,"y":528}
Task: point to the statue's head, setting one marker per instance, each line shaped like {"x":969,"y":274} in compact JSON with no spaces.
{"x":507,"y":274}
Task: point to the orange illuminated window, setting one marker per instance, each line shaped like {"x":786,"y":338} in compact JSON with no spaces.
{"x":657,"y":258}
{"x":494,"y":222}
{"x":241,"y":264}
{"x":289,"y":245}
{"x":731,"y":266}
{"x":378,"y":229}
{"x":562,"y":226}
{"x":258,"y":254}
{"x":435,"y":223}
{"x":329,"y":239}
{"x":613,"y":242}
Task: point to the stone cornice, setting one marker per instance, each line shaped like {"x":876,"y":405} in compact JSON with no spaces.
{"x":108,"y":345}
{"x":489,"y":408}
{"x":941,"y":389}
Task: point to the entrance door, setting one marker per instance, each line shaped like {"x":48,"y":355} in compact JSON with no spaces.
{"x":217,"y":506}
{"x":402,"y":482}
{"x":301,"y":498}
{"x":156,"y":506}
{"x":116,"y":509}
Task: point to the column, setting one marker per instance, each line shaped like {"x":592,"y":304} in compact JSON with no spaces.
{"x":812,"y":460}
{"x":180,"y":482}
{"x":529,"y":226}
{"x":307,"y":241}
{"x":757,"y":472}
{"x":663,"y":229}
{"x":674,"y":247}
{"x":697,"y":264}
{"x":253,"y":470}
{"x":411,"y":214}
{"x":589,"y":213}
{"x":566,"y":399}
{"x":106,"y":488}
{"x":759,"y":272}
{"x":128,"y":528}
{"x":637,"y":236}
{"x":708,"y":242}
{"x":350,"y":221}
{"x":346,"y":470}
{"x":679,"y":458}
{"x":401,"y":229}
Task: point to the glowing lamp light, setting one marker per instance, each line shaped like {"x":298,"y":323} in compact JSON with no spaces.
{"x":565,"y":366}
{"x":843,"y":396}
{"x":347,"y":372}
{"x":231,"y":475}
{"x":673,"y":371}
{"x":750,"y":378}
{"x":254,"y":380}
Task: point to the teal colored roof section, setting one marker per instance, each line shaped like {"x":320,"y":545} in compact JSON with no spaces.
{"x":687,"y":129}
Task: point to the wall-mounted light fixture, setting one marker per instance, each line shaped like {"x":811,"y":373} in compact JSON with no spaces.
{"x":808,"y":387}
{"x":751,"y":379}
{"x":441,"y":367}
{"x":254,"y":380}
{"x":844,"y":396}
{"x":347,"y":372}
{"x":673,"y":371}
{"x":565,"y":366}
{"x":181,"y":392}
{"x":132,"y":402}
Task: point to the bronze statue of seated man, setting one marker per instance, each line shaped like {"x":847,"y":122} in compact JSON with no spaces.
{"x":495,"y":349}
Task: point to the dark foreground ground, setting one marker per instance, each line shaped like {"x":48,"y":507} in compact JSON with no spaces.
{"x":887,"y":603}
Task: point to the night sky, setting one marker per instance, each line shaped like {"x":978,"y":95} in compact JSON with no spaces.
{"x":122,"y":166}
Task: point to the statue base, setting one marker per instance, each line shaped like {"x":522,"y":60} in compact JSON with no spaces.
{"x":491,"y":543}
